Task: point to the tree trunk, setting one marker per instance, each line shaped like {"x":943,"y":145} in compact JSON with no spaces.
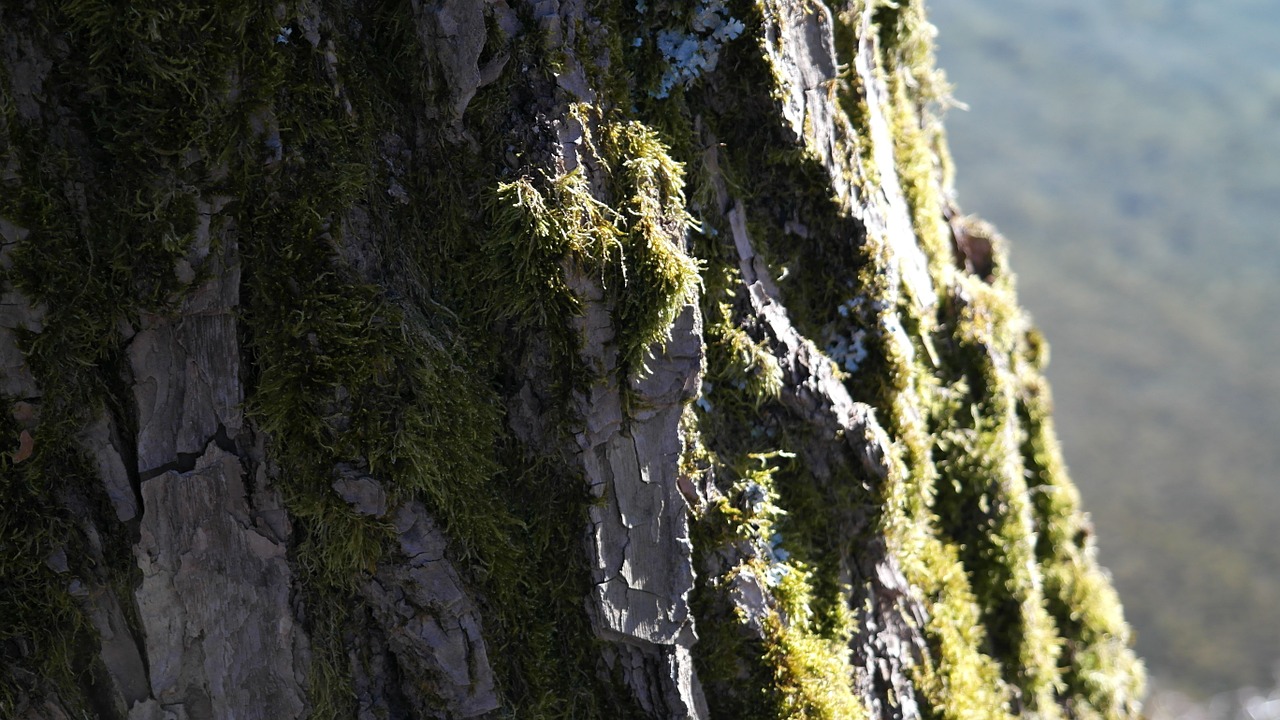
{"x":453,"y":359}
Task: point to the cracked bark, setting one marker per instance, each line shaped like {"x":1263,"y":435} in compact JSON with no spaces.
{"x":639,"y":537}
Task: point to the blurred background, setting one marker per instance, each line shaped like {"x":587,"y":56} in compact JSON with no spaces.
{"x":1130,"y":152}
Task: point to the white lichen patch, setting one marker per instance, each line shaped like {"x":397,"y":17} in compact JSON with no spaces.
{"x":847,"y":348}
{"x":848,"y":351}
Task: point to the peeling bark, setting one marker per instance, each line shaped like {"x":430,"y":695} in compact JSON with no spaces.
{"x":639,"y":536}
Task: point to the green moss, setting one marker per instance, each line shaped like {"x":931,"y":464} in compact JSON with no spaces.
{"x":744,"y":361}
{"x":983,"y":504}
{"x":347,"y":375}
{"x":1102,"y":676}
{"x":44,"y":631}
{"x":739,"y":369}
{"x":660,"y":278}
{"x":534,"y":233}
{"x":341,"y":370}
{"x":983,"y":500}
{"x":992,"y":515}
{"x":141,"y":90}
{"x":794,"y":660}
{"x":959,"y":677}
{"x":633,"y":245}
{"x":906,"y":44}
{"x":808,"y":637}
{"x":836,"y":266}
{"x":811,"y":669}
{"x":919,"y":172}
{"x":371,"y":375}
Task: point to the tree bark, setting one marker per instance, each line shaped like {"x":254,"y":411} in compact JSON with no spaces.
{"x":453,"y":359}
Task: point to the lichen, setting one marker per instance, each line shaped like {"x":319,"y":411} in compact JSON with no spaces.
{"x":687,"y":39}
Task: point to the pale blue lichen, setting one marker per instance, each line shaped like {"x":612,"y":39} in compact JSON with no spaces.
{"x":756,"y":498}
{"x":690,"y":53}
{"x":759,"y":502}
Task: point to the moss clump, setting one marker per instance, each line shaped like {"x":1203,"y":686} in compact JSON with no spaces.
{"x":371,"y":375}
{"x":744,"y":362}
{"x":660,"y":277}
{"x":841,"y":289}
{"x":807,"y":643}
{"x":983,"y":500}
{"x":811,"y":668}
{"x":632,"y":246}
{"x":917,"y":134}
{"x":535,"y":231}
{"x":983,"y":503}
{"x":986,"y":507}
{"x":344,"y":376}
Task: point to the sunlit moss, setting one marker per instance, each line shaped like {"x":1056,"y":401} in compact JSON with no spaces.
{"x":660,"y":276}
{"x":811,"y":668}
{"x":1101,"y":673}
{"x":634,"y":249}
{"x":983,"y":498}
{"x":535,"y":232}
{"x":920,"y":173}
{"x":738,"y":359}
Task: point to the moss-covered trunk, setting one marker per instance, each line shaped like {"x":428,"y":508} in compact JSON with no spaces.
{"x":536,"y":359}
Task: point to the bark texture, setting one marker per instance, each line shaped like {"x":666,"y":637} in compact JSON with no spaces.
{"x":518,"y":358}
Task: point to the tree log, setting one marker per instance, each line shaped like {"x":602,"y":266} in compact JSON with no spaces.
{"x":518,"y":358}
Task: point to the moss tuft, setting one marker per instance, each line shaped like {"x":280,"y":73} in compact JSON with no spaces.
{"x":634,"y":247}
